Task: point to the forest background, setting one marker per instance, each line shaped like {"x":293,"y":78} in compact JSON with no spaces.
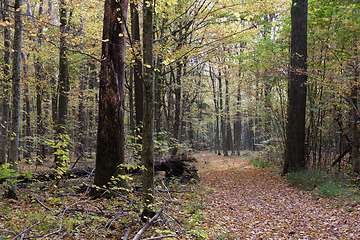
{"x":221,"y":73}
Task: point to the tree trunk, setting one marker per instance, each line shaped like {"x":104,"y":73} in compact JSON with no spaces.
{"x":295,"y":129}
{"x":355,"y":151}
{"x":110,"y":138}
{"x":222,"y":120}
{"x":229,"y":139}
{"x":63,"y":82}
{"x":148,"y":120}
{"x":40,"y":126}
{"x":16,"y":97}
{"x":5,"y":86}
{"x":137,"y":68}
{"x":27,"y":149}
{"x":176,"y":128}
{"x":237,"y":123}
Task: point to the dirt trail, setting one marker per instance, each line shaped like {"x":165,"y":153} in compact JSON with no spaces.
{"x":255,"y":203}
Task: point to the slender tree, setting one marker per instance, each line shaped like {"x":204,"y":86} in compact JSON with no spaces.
{"x":16,"y":97}
{"x":110,"y":137}
{"x":137,"y":67}
{"x":295,"y":129}
{"x":63,"y":82}
{"x":5,"y":85}
{"x":148,"y":120}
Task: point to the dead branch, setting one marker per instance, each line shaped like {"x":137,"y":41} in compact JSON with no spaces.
{"x":22,"y":234}
{"x":147,"y":225}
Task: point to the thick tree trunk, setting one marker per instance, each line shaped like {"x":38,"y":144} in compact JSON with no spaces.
{"x":16,"y":97}
{"x":110,"y":138}
{"x":148,"y":120}
{"x":295,"y":129}
{"x":5,"y":86}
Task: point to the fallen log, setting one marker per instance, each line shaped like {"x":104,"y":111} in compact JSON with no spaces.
{"x":52,"y":175}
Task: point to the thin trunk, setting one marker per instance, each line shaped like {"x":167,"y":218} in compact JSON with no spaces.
{"x":148,"y":120}
{"x":222,"y":120}
{"x":131,"y":103}
{"x":237,"y":123}
{"x":137,"y":68}
{"x":355,"y":152}
{"x":40,"y":126}
{"x":63,"y":82}
{"x":16,"y":97}
{"x":5,"y":86}
{"x":229,"y":139}
{"x":27,"y":149}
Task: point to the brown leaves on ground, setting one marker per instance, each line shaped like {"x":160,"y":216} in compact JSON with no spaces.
{"x":256,"y":203}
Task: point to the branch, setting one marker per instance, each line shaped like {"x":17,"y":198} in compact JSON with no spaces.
{"x":147,"y":225}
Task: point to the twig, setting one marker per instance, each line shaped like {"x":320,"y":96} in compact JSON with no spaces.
{"x":52,"y":233}
{"x":167,"y":190}
{"x":147,"y":225}
{"x":44,"y":206}
{"x":126,"y":234}
{"x":22,"y":234}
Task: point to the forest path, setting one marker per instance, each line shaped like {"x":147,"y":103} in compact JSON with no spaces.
{"x":257,"y":203}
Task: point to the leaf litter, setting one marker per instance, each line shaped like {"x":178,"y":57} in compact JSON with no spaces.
{"x":257,"y":203}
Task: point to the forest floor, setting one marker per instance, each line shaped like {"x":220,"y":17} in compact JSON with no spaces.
{"x":257,"y":203}
{"x":233,"y":200}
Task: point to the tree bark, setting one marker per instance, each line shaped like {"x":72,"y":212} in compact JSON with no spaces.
{"x":137,"y":68}
{"x":5,"y":86}
{"x":295,"y":129}
{"x":27,"y":149}
{"x":16,"y":97}
{"x":216,"y":104}
{"x":110,"y":138}
{"x":63,"y":82}
{"x":148,"y":120}
{"x":237,"y":123}
{"x":40,"y":126}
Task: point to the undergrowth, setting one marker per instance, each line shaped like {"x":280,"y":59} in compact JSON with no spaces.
{"x":324,"y":184}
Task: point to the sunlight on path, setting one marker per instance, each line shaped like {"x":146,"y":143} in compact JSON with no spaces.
{"x":257,"y":203}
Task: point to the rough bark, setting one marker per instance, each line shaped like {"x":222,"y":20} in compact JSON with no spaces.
{"x":16,"y":97}
{"x":148,"y":120}
{"x":110,"y":138}
{"x":295,"y":129}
